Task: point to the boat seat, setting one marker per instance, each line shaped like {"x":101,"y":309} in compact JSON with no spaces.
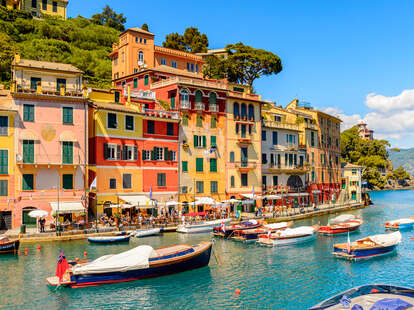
{"x":169,"y":250}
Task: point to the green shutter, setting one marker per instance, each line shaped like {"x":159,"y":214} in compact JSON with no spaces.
{"x":204,"y":141}
{"x":67,"y":181}
{"x":27,"y":182}
{"x":28,"y":151}
{"x":199,"y":164}
{"x":4,"y":187}
{"x":172,"y":103}
{"x":135,"y":83}
{"x":213,"y":122}
{"x":67,"y":115}
{"x":198,"y":96}
{"x":67,"y":152}
{"x":213,"y":141}
{"x":153,"y":154}
{"x":143,"y":155}
{"x":146,"y":80}
{"x":166,"y":153}
{"x":213,"y":165}
{"x":199,"y":121}
{"x":195,"y":141}
{"x":185,"y":120}
{"x":232,"y":157}
{"x":4,"y":162}
{"x":184,"y":165}
{"x":28,"y":113}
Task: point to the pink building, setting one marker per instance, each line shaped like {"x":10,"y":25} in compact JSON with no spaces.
{"x":364,"y":132}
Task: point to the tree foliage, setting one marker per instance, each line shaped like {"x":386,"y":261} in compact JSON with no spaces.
{"x":145,"y":27}
{"x":110,"y":18}
{"x":399,"y":174}
{"x":77,"y":41}
{"x":191,"y":41}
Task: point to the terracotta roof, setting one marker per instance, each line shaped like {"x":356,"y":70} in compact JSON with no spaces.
{"x":178,"y":53}
{"x":115,"y":107}
{"x":349,"y":165}
{"x":175,"y":71}
{"x":47,"y":65}
{"x":137,"y":29}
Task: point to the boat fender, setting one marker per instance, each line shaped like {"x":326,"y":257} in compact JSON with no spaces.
{"x":85,"y":253}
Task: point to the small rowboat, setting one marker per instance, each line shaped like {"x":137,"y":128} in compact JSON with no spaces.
{"x":109,"y":239}
{"x":135,"y":264}
{"x":228,"y":231}
{"x":252,"y":235}
{"x":342,"y":228}
{"x":200,"y":227}
{"x":375,"y":296}
{"x":369,"y":247}
{"x":405,"y":223}
{"x":289,"y":236}
{"x":139,"y":233}
{"x":7,"y":245}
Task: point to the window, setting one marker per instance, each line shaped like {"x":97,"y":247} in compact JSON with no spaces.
{"x":145,"y":41}
{"x":67,"y":181}
{"x":116,"y":96}
{"x":192,"y":67}
{"x":4,"y":187}
{"x":163,"y":61}
{"x":67,"y":152}
{"x":312,"y":138}
{"x":198,"y":96}
{"x":337,"y":142}
{"x":263,"y":135}
{"x":313,"y":157}
{"x":213,"y":164}
{"x":199,"y":141}
{"x":274,"y":138}
{"x":244,"y":181}
{"x":4,"y":161}
{"x":44,"y":4}
{"x":243,"y":153}
{"x":146,"y":79}
{"x":196,"y":68}
{"x":174,"y":64}
{"x":112,"y":121}
{"x":322,"y":177}
{"x":159,"y":153}
{"x":213,"y":141}
{"x":127,"y":180}
{"x":170,"y":129}
{"x":172,"y":156}
{"x":34,"y":4}
{"x":112,"y":151}
{"x":115,"y":59}
{"x":264,"y":158}
{"x":129,"y":122}
{"x":184,"y":190}
{"x":184,"y":166}
{"x":135,"y":83}
{"x":213,"y":187}
{"x":140,"y":58}
{"x":28,"y":112}
{"x":199,"y":164}
{"x":112,"y":183}
{"x":27,"y":182}
{"x":28,"y":151}
{"x":184,"y":97}
{"x":185,"y":120}
{"x":130,"y":152}
{"x":322,"y":139}
{"x":140,"y":40}
{"x":199,"y":121}
{"x":232,"y":157}
{"x":251,"y":112}
{"x":243,"y":111}
{"x":212,"y":98}
{"x":199,"y":187}
{"x":238,"y":89}
{"x":188,"y":66}
{"x":275,"y":180}
{"x":232,"y":181}
{"x":337,"y":160}
{"x":264,"y":180}
{"x":213,"y":122}
{"x":161,"y":179}
{"x":243,"y":130}
{"x":60,"y":83}
{"x":146,"y":155}
{"x":278,"y":118}
{"x":150,"y":127}
{"x":55,"y":6}
{"x":236,"y":112}
{"x":67,"y":115}
{"x":313,"y":176}
{"x":172,"y":101}
{"x":4,"y":125}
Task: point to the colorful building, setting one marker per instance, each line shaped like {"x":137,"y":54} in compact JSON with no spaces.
{"x":12,"y":4}
{"x":50,"y":139}
{"x":364,"y":132}
{"x":7,"y":159}
{"x":351,"y":183}
{"x":39,"y":7}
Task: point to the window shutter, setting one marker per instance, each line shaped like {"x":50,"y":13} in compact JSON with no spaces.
{"x":143,"y":155}
{"x":153,"y":154}
{"x":195,"y":141}
{"x":237,"y":128}
{"x":170,"y":155}
{"x":213,"y":141}
{"x":124,"y":151}
{"x":166,"y":153}
{"x":118,"y":152}
{"x":106,"y":151}
{"x":135,"y":152}
{"x":204,"y":141}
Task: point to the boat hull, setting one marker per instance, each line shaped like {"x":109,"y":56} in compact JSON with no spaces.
{"x":400,"y":226}
{"x":10,"y":247}
{"x":101,"y":240}
{"x":326,"y":230}
{"x":200,"y":228}
{"x":146,"y":232}
{"x":229,"y":231}
{"x":286,"y":241}
{"x":365,"y":253}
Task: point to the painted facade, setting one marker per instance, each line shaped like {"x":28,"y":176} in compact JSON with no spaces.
{"x":12,"y":4}
{"x":50,"y":145}
{"x":39,"y":7}
{"x":351,"y":183}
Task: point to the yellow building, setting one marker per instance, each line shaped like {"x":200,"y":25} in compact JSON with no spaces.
{"x":351,"y":183}
{"x":39,"y":7}
{"x":7,"y":159}
{"x":12,"y":4}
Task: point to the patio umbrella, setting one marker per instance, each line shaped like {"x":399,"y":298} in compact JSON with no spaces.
{"x":231,"y":201}
{"x":172,"y":203}
{"x":206,"y":201}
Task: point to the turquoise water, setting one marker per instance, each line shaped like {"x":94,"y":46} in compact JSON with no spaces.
{"x":293,"y":277}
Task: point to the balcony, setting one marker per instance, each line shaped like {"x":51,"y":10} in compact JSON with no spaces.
{"x":161,"y":113}
{"x":280,"y":125}
{"x":311,"y":126}
{"x":50,"y":160}
{"x":245,"y":165}
{"x":185,"y":104}
{"x":199,"y":106}
{"x":288,"y":169}
{"x":214,"y":108}
{"x":244,"y":139}
{"x":243,"y":95}
{"x":47,"y":91}
{"x":140,"y":94}
{"x":190,"y":82}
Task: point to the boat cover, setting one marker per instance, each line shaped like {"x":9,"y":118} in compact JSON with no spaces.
{"x":391,"y":304}
{"x":276,"y":225}
{"x":402,"y":221}
{"x":386,"y":239}
{"x":342,"y":218}
{"x":136,"y":258}
{"x":298,"y":231}
{"x":250,"y":222}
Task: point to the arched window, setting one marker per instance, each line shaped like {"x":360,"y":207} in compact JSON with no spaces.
{"x":213,"y":98}
{"x":243,"y":111}
{"x":236,"y":111}
{"x":198,"y":96}
{"x":251,"y":112}
{"x":141,"y":57}
{"x":184,"y":96}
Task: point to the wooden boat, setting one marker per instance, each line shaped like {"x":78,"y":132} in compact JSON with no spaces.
{"x":374,"y":296}
{"x":228,"y":231}
{"x":342,"y":228}
{"x":289,"y":236}
{"x":342,"y":218}
{"x":139,"y":233}
{"x":252,"y":235}
{"x":405,"y":223}
{"x":368,"y":247}
{"x":201,"y":227}
{"x":135,"y":264}
{"x":7,"y":245}
{"x":109,"y":239}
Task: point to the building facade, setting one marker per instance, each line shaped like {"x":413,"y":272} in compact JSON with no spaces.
{"x":351,"y":183}
{"x":364,"y":132}
{"x":39,"y":7}
{"x":12,"y":4}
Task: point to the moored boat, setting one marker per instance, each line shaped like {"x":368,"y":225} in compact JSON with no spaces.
{"x":228,"y":231}
{"x":206,"y":226}
{"x":343,"y":218}
{"x":368,"y":247}
{"x":109,"y":239}
{"x":135,"y":264}
{"x":7,"y":245}
{"x":404,"y":223}
{"x":139,"y":233}
{"x":252,"y":235}
{"x":289,"y":236}
{"x":341,"y":228}
{"x":374,"y":296}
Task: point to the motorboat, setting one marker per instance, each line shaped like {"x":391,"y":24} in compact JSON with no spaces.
{"x":206,"y":226}
{"x":109,"y":239}
{"x":139,"y":233}
{"x":8,"y":245}
{"x":135,"y":264}
{"x":289,"y":236}
{"x":373,"y":296}
{"x":348,"y":226}
{"x":252,"y":235}
{"x":404,"y":223}
{"x":342,"y":219}
{"x":228,"y":231}
{"x":368,"y":247}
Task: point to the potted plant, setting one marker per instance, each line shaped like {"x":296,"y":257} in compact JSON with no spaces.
{"x":237,"y":117}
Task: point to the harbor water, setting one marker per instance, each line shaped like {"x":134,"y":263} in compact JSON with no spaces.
{"x":290,"y":277}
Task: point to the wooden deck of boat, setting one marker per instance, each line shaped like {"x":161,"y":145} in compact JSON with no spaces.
{"x":172,"y":249}
{"x":367,"y":301}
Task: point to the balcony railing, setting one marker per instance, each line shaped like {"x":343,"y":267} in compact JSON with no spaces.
{"x":311,"y":126}
{"x":287,"y":168}
{"x":280,"y":125}
{"x":50,"y":159}
{"x":214,"y":108}
{"x":199,"y":106}
{"x":191,"y":82}
{"x":161,"y":113}
{"x":42,"y":90}
{"x":185,"y":104}
{"x":244,"y":95}
{"x":140,"y":94}
{"x":245,"y":165}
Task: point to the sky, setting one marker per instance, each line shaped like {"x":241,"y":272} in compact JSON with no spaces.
{"x":354,"y":59}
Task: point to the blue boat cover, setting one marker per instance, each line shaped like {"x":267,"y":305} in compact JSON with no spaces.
{"x":357,"y":307}
{"x":391,"y":304}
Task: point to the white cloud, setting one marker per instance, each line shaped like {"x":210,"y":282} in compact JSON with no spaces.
{"x":384,"y":104}
{"x":347,"y":120}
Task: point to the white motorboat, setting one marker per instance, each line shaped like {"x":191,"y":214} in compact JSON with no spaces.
{"x":146,"y":232}
{"x":206,"y":226}
{"x":289,"y":236}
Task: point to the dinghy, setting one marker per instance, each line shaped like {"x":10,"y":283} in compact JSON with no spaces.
{"x":252,"y":235}
{"x":228,"y":231}
{"x":289,"y":236}
{"x":139,"y":233}
{"x":368,"y":247}
{"x":341,"y":228}
{"x":7,"y":245}
{"x":206,"y":226}
{"x":405,"y":223}
{"x":109,"y":239}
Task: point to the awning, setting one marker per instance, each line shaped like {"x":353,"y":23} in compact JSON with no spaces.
{"x":251,"y":196}
{"x":140,"y":201}
{"x":316,"y":191}
{"x":28,"y":134}
{"x":67,"y":207}
{"x":272,"y":196}
{"x":67,"y":136}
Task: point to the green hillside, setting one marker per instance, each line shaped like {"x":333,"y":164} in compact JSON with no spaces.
{"x":77,"y":41}
{"x":404,"y":158}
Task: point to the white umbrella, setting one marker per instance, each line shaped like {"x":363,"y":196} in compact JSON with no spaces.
{"x":38,"y":213}
{"x":251,"y":196}
{"x":172,"y":203}
{"x":231,"y":201}
{"x":206,"y":201}
{"x":273,"y":197}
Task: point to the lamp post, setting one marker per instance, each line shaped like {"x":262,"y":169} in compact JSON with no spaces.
{"x":57,"y":211}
